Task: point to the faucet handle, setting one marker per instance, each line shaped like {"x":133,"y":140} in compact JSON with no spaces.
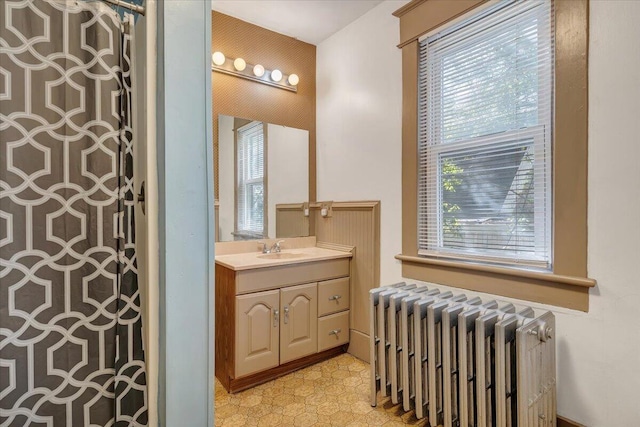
{"x":276,"y":245}
{"x":264,"y":247}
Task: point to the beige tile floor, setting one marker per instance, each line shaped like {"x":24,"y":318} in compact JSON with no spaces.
{"x":331,"y":393}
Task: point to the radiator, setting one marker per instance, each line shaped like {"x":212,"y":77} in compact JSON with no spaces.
{"x":461,"y":362}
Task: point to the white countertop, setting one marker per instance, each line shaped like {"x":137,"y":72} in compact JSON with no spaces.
{"x":251,"y":260}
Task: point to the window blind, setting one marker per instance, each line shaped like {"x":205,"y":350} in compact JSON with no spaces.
{"x":250,"y":196}
{"x":485,"y":108}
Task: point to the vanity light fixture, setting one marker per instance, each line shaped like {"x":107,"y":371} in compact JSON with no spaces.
{"x":239,"y":64}
{"x":276,"y":75}
{"x":240,"y":68}
{"x":218,"y":58}
{"x":258,"y":70}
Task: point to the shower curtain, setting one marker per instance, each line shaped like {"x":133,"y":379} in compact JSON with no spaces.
{"x":70,"y":323}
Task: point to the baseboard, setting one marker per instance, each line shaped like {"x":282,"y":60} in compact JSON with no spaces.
{"x":359,"y":345}
{"x":564,"y":422}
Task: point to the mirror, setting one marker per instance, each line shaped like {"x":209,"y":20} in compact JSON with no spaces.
{"x":263,"y":180}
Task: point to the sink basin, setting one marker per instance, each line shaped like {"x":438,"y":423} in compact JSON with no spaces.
{"x":281,"y":255}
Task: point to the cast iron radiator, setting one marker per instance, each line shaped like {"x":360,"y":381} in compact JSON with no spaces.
{"x":462,"y":362}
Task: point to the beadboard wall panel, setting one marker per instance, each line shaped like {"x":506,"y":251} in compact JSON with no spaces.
{"x":355,"y":224}
{"x":216,"y":218}
{"x":290,"y":221}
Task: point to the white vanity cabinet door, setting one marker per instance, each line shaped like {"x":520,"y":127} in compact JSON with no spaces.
{"x":257,"y":332}
{"x":298,"y":322}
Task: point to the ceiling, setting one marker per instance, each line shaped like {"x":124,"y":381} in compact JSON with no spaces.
{"x":311,"y":21}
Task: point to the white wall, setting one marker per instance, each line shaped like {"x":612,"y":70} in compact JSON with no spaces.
{"x":287,"y":169}
{"x":598,"y":353}
{"x":226,"y":178}
{"x":606,"y":381}
{"x":359,"y":108}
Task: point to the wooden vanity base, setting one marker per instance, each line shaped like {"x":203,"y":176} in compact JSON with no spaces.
{"x":238,"y":384}
{"x":255,"y":328}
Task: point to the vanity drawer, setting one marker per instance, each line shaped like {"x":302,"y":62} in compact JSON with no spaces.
{"x":333,"y":330}
{"x":333,"y":296}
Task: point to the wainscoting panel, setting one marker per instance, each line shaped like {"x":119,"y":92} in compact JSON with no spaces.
{"x":290,"y":221}
{"x":216,"y":219}
{"x":354,"y":224}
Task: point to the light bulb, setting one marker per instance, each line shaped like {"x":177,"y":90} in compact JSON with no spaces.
{"x":218,"y":58}
{"x":239,"y":64}
{"x":258,"y":70}
{"x":276,"y":75}
{"x":293,"y":79}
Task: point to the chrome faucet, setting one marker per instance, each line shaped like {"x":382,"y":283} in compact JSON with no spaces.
{"x":276,"y":246}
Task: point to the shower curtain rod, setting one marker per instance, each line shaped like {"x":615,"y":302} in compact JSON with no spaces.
{"x":134,"y":7}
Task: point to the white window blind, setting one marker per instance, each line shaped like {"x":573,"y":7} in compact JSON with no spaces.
{"x":484,"y":136}
{"x":250,"y":196}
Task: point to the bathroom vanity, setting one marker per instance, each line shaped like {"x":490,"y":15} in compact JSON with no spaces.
{"x":278,"y":312}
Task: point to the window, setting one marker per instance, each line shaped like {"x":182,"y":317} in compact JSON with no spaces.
{"x":251,"y":197}
{"x":494,"y":176}
{"x":484,"y":137}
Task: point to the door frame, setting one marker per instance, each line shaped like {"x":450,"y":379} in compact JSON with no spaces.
{"x":185,"y":213}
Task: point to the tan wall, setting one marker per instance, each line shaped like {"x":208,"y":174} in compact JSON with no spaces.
{"x":239,"y":97}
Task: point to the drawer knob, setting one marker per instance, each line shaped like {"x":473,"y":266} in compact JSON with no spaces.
{"x":335,"y":332}
{"x":335,"y":298}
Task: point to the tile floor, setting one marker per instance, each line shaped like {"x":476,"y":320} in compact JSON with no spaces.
{"x":331,"y":393}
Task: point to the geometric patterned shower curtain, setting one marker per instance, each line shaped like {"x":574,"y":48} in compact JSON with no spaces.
{"x":70,"y":323}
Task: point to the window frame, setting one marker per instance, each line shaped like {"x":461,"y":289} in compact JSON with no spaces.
{"x":240,"y":233}
{"x":567,"y":285}
{"x":429,"y":157}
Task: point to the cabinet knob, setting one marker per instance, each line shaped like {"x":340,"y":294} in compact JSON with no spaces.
{"x":335,"y":298}
{"x":286,"y":314}
{"x":335,"y":332}
{"x":276,"y":318}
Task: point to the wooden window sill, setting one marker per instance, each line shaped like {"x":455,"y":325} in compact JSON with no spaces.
{"x":547,"y":288}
